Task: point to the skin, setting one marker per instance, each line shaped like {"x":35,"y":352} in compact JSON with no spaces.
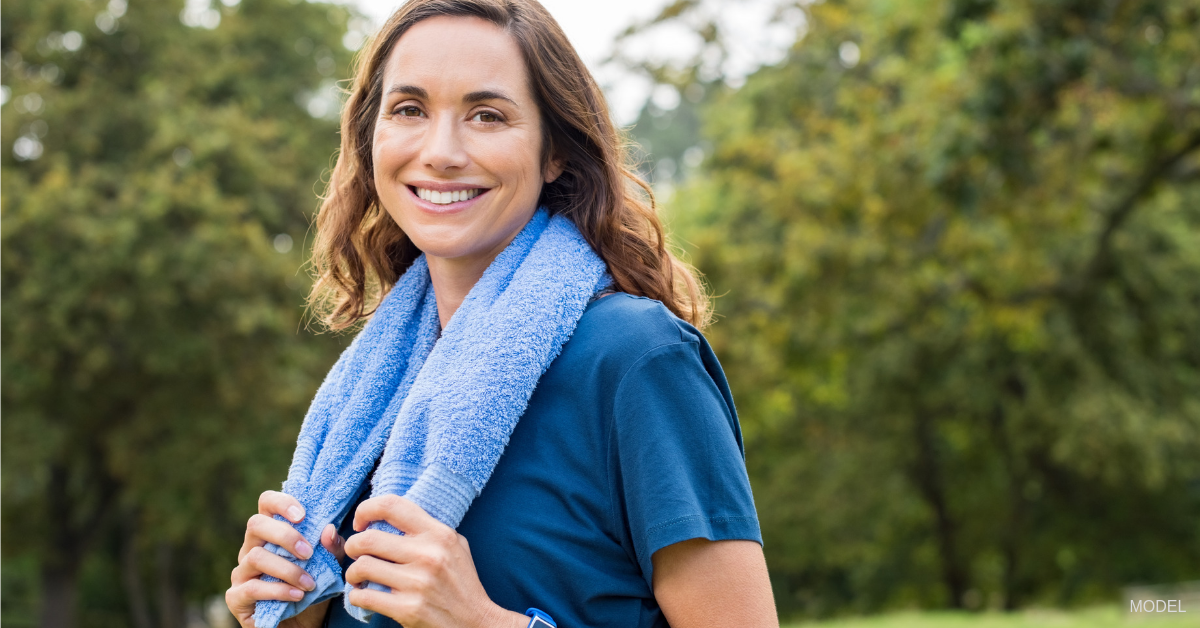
{"x":701,"y":583}
{"x":456,"y":117}
{"x":465,"y":116}
{"x":254,"y":560}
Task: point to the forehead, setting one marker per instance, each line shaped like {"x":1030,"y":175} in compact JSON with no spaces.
{"x":456,"y":54}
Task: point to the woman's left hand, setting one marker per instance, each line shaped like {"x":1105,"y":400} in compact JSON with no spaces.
{"x":429,"y":569}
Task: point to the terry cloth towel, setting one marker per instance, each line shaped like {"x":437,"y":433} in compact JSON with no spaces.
{"x":444,"y":406}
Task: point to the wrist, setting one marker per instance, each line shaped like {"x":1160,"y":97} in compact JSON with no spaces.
{"x":503,"y":618}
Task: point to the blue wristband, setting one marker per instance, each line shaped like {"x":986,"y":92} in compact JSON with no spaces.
{"x":539,"y":619}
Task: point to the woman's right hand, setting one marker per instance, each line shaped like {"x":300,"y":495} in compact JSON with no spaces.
{"x":255,"y":560}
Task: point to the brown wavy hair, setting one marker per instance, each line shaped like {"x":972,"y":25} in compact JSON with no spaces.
{"x":360,"y":252}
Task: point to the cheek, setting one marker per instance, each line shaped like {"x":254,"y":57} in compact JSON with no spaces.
{"x":390,"y":149}
{"x":515,"y":158}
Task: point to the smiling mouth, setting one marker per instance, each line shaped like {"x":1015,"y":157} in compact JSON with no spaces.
{"x":445,"y":198}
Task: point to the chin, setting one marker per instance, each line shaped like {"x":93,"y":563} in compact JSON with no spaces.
{"x":446,"y":246}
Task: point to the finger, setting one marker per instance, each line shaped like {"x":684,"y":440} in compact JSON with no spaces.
{"x":263,"y":561}
{"x":333,"y":542}
{"x":398,"y":607}
{"x":272,"y":503}
{"x":265,"y":528}
{"x":250,"y":541}
{"x":401,"y":513}
{"x":390,"y":547}
{"x":243,"y":573}
{"x":379,"y":571}
{"x":241,"y":608}
{"x":251,"y":591}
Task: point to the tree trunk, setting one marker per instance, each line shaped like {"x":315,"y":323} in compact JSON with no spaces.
{"x":927,"y":475}
{"x":72,"y":522}
{"x":131,"y":577}
{"x":170,"y":607}
{"x":1010,"y":540}
{"x":1010,"y":537}
{"x":60,"y":562}
{"x":60,"y":588}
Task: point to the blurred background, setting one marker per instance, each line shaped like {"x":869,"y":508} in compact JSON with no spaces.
{"x":955,"y":243}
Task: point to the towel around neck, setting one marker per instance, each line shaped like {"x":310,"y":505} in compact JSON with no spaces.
{"x":440,"y":409}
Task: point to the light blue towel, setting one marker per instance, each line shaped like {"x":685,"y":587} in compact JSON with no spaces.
{"x":444,"y":406}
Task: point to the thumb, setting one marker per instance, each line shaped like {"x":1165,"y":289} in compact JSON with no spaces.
{"x":331,"y":541}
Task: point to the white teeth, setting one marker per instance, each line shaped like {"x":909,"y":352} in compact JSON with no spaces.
{"x":445,"y":198}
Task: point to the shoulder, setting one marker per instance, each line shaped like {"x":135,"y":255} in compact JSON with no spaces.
{"x":619,"y":329}
{"x":623,"y":338}
{"x":625,"y":322}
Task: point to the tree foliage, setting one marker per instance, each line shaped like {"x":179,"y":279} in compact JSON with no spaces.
{"x":155,"y":366}
{"x":956,"y":245}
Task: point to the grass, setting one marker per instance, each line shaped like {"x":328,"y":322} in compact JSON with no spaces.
{"x":1097,"y":617}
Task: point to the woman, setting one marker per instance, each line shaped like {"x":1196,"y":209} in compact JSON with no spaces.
{"x":621,"y":497}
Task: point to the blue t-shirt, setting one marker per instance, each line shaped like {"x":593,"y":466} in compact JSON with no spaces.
{"x":630,"y":443}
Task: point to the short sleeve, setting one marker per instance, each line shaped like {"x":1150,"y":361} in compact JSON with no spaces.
{"x":678,"y":455}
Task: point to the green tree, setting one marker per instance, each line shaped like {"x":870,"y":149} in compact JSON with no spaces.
{"x":957,"y":245}
{"x":159,"y":171}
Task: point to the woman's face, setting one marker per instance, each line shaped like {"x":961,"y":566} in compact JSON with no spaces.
{"x":457,"y":147}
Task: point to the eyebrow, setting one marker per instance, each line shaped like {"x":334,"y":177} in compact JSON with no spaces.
{"x":487,"y":95}
{"x":411,"y":90}
{"x":472,"y":97}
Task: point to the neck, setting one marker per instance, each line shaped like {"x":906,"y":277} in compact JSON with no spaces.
{"x":452,"y":280}
{"x":453,"y":277}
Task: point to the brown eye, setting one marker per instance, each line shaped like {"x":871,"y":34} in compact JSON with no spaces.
{"x":409,"y":112}
{"x":486,"y":116}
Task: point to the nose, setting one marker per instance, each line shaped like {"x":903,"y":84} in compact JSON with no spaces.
{"x":443,"y":149}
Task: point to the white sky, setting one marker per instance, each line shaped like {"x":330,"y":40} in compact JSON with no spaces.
{"x":591,"y":27}
{"x":756,"y":32}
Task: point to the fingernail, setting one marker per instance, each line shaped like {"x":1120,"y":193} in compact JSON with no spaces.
{"x":307,"y":582}
{"x":303,"y":550}
{"x":294,"y":513}
{"x":296,"y":594}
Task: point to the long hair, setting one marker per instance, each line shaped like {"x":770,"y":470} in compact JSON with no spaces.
{"x":360,"y":252}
